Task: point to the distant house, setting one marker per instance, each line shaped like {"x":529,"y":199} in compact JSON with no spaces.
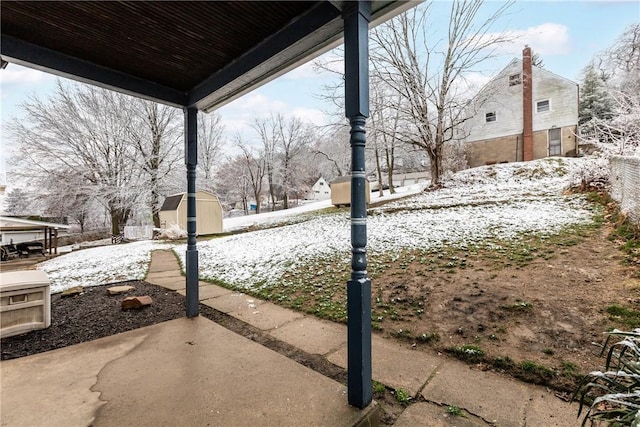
{"x":208,"y":212}
{"x":524,"y":113}
{"x":321,"y":190}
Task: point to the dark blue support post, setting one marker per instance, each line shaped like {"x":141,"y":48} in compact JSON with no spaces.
{"x":356,"y":17}
{"x":191,"y":160}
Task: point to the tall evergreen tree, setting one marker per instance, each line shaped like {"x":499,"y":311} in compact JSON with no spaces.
{"x":595,"y":100}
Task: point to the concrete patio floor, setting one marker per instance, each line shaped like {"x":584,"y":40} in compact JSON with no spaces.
{"x":185,"y":372}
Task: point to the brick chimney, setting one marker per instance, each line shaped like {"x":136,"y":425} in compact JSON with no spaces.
{"x":527,"y":105}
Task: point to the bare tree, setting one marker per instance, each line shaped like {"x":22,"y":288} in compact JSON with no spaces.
{"x":383,"y":124}
{"x":73,"y":205}
{"x":380,"y":140}
{"x":156,"y":133}
{"x":267,"y":129}
{"x":210,"y":146}
{"x":81,"y":130}
{"x":331,"y":152}
{"x":625,"y":52}
{"x":623,"y":129}
{"x":293,"y":137}
{"x":619,"y":67}
{"x":234,"y":180}
{"x":254,"y":167}
{"x":427,"y":74}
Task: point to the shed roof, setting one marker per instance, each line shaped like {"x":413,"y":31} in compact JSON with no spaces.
{"x":181,"y":53}
{"x":171,"y":202}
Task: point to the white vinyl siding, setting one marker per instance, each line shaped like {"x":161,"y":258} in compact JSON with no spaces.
{"x":543,"y":106}
{"x":505,"y":101}
{"x":563,"y":100}
{"x":490,"y":117}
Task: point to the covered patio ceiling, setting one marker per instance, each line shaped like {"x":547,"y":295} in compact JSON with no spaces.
{"x":199,"y":54}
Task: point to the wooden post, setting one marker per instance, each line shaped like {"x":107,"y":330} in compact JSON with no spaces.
{"x":356,"y":17}
{"x":44,"y":239}
{"x":191,"y":258}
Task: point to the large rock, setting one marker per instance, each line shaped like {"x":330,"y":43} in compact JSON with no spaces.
{"x":116,"y":290}
{"x":136,"y":302}
{"x":71,"y":292}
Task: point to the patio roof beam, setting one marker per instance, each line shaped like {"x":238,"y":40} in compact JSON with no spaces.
{"x":47,"y":60}
{"x":320,"y":26}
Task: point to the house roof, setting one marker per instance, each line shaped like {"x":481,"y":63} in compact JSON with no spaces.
{"x":188,"y":54}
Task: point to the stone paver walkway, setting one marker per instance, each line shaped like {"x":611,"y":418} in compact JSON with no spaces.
{"x":436,"y":382}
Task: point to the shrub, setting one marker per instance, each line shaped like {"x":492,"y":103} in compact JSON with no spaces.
{"x":613,"y":396}
{"x":174,"y":232}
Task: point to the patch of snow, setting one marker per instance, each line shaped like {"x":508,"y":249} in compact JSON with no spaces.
{"x":271,"y":217}
{"x":100,"y":265}
{"x":276,"y":217}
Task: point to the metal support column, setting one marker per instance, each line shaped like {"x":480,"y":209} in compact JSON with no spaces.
{"x":191,"y":260}
{"x":356,"y":17}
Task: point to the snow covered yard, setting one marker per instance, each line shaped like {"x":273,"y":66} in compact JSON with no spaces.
{"x":489,"y":203}
{"x":496,"y":202}
{"x":97,"y":266}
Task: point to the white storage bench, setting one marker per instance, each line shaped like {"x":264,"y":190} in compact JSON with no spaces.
{"x":25,"y":302}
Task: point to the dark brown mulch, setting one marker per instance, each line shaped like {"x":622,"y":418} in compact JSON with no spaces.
{"x":94,"y":314}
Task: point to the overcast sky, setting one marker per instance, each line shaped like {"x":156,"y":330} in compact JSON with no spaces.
{"x":566,"y":34}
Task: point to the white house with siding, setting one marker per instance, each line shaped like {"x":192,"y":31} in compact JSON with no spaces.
{"x":524,"y":113}
{"x":321,"y":190}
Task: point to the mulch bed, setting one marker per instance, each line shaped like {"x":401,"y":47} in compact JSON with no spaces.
{"x":94,"y":314}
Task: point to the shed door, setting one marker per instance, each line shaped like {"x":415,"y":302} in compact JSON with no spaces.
{"x":555,"y":142}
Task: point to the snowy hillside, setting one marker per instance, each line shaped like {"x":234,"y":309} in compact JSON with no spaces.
{"x":499,"y":201}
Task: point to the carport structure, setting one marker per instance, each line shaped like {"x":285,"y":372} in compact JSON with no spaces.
{"x":198,"y":56}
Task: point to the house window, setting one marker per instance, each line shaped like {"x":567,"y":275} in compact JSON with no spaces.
{"x":515,"y":79}
{"x":321,"y":183}
{"x":555,"y":142}
{"x":490,"y":117}
{"x":542,"y":106}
